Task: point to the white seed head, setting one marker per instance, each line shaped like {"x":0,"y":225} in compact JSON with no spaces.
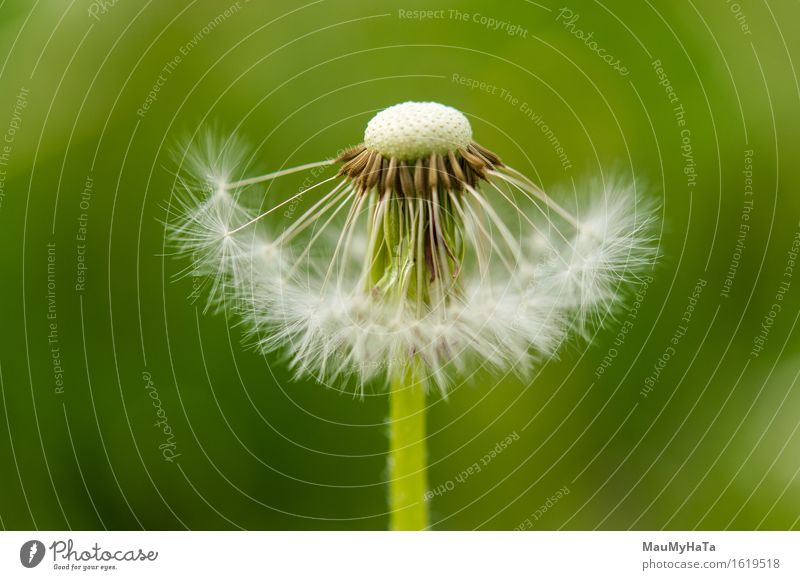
{"x":415,"y":130}
{"x":460,"y":275}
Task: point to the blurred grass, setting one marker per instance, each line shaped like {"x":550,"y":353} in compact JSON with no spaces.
{"x":299,"y":82}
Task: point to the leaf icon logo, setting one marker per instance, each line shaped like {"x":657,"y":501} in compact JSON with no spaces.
{"x":31,"y":553}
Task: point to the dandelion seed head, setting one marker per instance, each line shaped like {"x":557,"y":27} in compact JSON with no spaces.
{"x":410,"y":255}
{"x":412,"y":130}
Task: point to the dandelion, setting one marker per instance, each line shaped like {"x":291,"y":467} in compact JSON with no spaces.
{"x":421,"y":260}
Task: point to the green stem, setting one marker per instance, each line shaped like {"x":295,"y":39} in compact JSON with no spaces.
{"x":408,"y":476}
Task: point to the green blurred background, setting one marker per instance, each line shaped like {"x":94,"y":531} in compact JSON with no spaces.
{"x":713,"y":445}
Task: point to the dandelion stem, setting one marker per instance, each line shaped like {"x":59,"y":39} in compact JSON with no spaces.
{"x":408,"y":478}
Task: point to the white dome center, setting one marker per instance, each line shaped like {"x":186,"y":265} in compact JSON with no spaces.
{"x":412,"y":130}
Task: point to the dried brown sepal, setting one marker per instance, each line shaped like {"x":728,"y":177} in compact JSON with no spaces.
{"x":453,"y":171}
